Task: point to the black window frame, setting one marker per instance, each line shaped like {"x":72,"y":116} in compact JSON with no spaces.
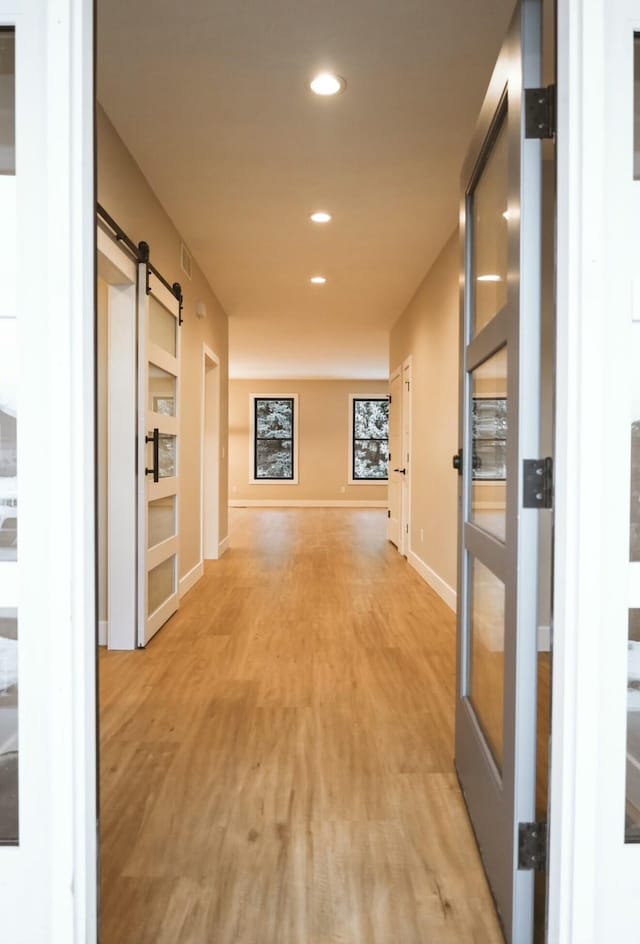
{"x":363,"y":478}
{"x":256,"y":439}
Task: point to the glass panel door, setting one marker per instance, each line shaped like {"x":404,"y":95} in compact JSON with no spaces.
{"x":158,"y":431}
{"x":9,"y":805}
{"x":500,"y":394}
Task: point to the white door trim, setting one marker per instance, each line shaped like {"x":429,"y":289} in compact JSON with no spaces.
{"x":407,"y":454}
{"x":210,"y":457}
{"x":48,"y":885}
{"x":594,"y":879}
{"x":118,"y":269}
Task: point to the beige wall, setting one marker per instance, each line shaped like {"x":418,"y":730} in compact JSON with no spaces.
{"x":126,"y":195}
{"x":428,"y":332}
{"x":323,"y":441}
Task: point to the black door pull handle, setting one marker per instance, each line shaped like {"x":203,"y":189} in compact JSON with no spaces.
{"x":155,"y":439}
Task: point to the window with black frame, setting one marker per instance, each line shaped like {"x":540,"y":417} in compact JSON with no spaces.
{"x":274,"y":439}
{"x":370,"y":439}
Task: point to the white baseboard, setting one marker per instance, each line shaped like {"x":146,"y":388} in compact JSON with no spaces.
{"x":435,"y":581}
{"x":302,"y":503}
{"x":191,"y":578}
{"x":103,"y":632}
{"x":223,"y":546}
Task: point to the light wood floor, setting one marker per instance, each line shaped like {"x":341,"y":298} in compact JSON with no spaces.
{"x":277,"y":765}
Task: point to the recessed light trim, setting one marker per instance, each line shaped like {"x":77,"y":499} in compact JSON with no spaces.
{"x":489,"y":278}
{"x":320,"y":216}
{"x":318,"y":280}
{"x":327,"y":84}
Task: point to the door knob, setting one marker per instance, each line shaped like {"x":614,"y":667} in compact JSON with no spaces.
{"x":457,"y":461}
{"x":401,"y":471}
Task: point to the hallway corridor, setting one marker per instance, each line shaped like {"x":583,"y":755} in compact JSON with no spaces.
{"x":277,"y":767}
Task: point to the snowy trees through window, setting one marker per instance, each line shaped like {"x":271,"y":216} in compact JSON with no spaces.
{"x":273,"y":446}
{"x":370,"y":442}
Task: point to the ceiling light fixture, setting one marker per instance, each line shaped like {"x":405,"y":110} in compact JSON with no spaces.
{"x":318,"y":280}
{"x":489,"y":278}
{"x":327,"y":84}
{"x":320,"y":217}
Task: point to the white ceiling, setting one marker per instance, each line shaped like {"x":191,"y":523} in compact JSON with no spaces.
{"x":211,"y":97}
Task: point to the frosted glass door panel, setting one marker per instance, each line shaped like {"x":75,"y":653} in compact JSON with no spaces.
{"x":490,"y":218}
{"x":162,"y":520}
{"x":489,"y":429}
{"x":162,"y":391}
{"x":636,"y":106}
{"x":486,"y":683}
{"x":162,"y":327}
{"x":8,"y":726}
{"x":162,"y":584}
{"x":8,"y":447}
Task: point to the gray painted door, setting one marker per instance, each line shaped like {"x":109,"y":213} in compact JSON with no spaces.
{"x":499,"y":428}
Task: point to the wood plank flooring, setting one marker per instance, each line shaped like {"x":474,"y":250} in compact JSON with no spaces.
{"x":277,"y":766}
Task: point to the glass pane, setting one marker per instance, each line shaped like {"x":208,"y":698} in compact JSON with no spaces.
{"x":167,"y":456}
{"x":371,"y":459}
{"x":636,"y":106}
{"x":8,"y":726}
{"x":162,"y":391}
{"x":371,"y":419}
{"x":274,"y":419}
{"x":7,"y":102}
{"x":162,"y":327}
{"x":489,"y":444}
{"x":162,"y":584}
{"x":490,"y":235}
{"x":274,"y":459}
{"x":8,"y":329}
{"x":162,"y":520}
{"x":632,"y":831}
{"x":486,"y":682}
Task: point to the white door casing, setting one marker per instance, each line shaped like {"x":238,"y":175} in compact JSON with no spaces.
{"x":48,"y":883}
{"x":118,"y":269}
{"x":210,"y":438}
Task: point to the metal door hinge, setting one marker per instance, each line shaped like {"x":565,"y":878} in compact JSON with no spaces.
{"x":532,"y":847}
{"x":390,"y":398}
{"x":388,"y":512}
{"x":540,"y":112}
{"x":537,"y":483}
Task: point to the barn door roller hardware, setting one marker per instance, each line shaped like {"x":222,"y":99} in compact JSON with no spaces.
{"x":142,"y":254}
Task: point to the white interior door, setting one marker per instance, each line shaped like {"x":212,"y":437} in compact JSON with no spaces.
{"x":394,"y":523}
{"x":158,"y":435}
{"x":500,"y":431}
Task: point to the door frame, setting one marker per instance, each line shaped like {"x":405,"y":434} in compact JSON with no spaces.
{"x":210,"y":457}
{"x":48,"y":884}
{"x":118,"y":269}
{"x":407,"y":458}
{"x":594,"y":878}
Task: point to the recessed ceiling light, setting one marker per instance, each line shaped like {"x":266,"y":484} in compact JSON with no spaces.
{"x":489,"y":278}
{"x":318,"y":279}
{"x":327,"y":84}
{"x":320,"y":217}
